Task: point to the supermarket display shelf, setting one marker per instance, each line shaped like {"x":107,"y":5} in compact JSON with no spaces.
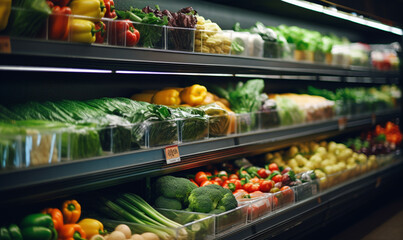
{"x":43,"y":182}
{"x":294,"y":221}
{"x":50,"y":56}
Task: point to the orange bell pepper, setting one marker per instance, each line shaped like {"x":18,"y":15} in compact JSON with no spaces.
{"x":57,"y":217}
{"x":72,"y":232}
{"x":71,"y":211}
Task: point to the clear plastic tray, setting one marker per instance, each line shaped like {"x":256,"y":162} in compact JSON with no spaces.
{"x":282,"y":199}
{"x":161,"y":133}
{"x":268,"y":119}
{"x":214,"y":42}
{"x":306,"y":190}
{"x":220,"y":125}
{"x":193,"y":129}
{"x":230,"y":220}
{"x":247,"y":122}
{"x":180,"y":39}
{"x":258,"y":208}
{"x":195,"y":226}
{"x":11,"y":151}
{"x":271,"y":50}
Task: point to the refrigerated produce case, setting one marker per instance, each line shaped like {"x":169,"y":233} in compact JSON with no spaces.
{"x":42,"y":70}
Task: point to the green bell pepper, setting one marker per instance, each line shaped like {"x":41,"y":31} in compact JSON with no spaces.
{"x":38,"y":226}
{"x":15,"y":232}
{"x":4,"y":234}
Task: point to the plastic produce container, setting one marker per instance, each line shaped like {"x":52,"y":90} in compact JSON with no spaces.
{"x":193,"y":129}
{"x":231,"y":220}
{"x":255,"y":45}
{"x":180,"y":39}
{"x":84,"y":143}
{"x":247,"y":122}
{"x":268,"y":119}
{"x":119,"y":33}
{"x":41,"y":148}
{"x":11,"y":151}
{"x":200,"y":226}
{"x":282,"y":199}
{"x":257,"y":208}
{"x":239,"y":43}
{"x":306,"y":190}
{"x":116,"y":139}
{"x":219,"y":125}
{"x":214,"y":42}
{"x":151,"y":36}
{"x":160,"y":133}
{"x":271,"y":50}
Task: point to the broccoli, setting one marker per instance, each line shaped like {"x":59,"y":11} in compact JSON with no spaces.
{"x":168,"y":203}
{"x":174,"y":187}
{"x":209,"y":198}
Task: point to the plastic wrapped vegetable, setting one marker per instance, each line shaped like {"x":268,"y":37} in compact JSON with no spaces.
{"x":29,"y":19}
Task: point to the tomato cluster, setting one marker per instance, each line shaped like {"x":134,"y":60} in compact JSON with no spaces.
{"x":264,"y":180}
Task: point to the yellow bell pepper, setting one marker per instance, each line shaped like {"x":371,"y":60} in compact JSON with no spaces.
{"x":167,"y":97}
{"x":91,"y":227}
{"x":91,"y":8}
{"x":143,"y":97}
{"x":5,"y":10}
{"x":194,"y":95}
{"x":82,"y":31}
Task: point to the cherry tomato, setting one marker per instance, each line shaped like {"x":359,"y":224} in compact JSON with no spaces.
{"x":218,"y":180}
{"x":256,"y":194}
{"x":287,"y":191}
{"x":277,"y":178}
{"x":205,"y":183}
{"x":200,"y":177}
{"x":273,"y":167}
{"x":223,"y":175}
{"x":254,"y":180}
{"x":263,"y":173}
{"x":266,"y":185}
{"x":251,"y":187}
{"x":233,"y":176}
{"x":237,"y":182}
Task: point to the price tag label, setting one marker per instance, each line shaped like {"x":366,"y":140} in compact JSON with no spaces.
{"x":5,"y":44}
{"x":373,"y":119}
{"x":172,"y":154}
{"x":342,"y":123}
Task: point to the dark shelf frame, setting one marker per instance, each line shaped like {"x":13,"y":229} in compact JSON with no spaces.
{"x":45,"y":182}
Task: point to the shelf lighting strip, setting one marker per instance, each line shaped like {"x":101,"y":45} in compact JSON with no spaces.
{"x":53,"y":69}
{"x":176,"y":73}
{"x":346,"y":16}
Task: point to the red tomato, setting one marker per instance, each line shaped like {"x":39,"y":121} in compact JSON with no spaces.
{"x":233,"y":176}
{"x":273,"y":167}
{"x":262,"y":173}
{"x":237,"y":183}
{"x":256,"y":194}
{"x":218,"y":180}
{"x":240,"y":191}
{"x":223,"y":175}
{"x":251,"y":187}
{"x":266,"y":185}
{"x":200,"y":177}
{"x":205,"y":183}
{"x":254,"y":180}
{"x":277,"y":178}
{"x":287,"y":193}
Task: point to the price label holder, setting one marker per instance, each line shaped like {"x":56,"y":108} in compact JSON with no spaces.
{"x":5,"y":44}
{"x":172,"y":154}
{"x":342,"y":123}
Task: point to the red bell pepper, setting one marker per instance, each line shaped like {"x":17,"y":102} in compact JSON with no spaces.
{"x":122,"y":32}
{"x":101,"y":34}
{"x":61,"y":3}
{"x":57,"y":217}
{"x":59,"y":23}
{"x":110,"y":9}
